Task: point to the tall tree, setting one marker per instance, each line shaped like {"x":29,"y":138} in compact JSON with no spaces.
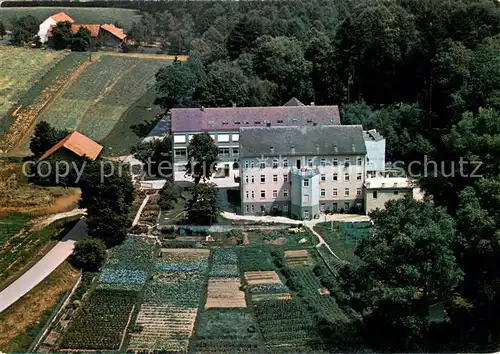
{"x":61,"y":35}
{"x":202,"y":157}
{"x":81,"y":40}
{"x":45,"y":137}
{"x":204,"y":207}
{"x":3,"y":32}
{"x":407,"y":265}
{"x":24,"y":30}
{"x":169,"y":196}
{"x":107,"y":193}
{"x":156,"y":155}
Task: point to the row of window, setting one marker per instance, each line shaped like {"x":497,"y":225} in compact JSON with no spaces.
{"x":335,"y":177}
{"x":310,"y":163}
{"x":322,"y":193}
{"x":322,"y":207}
{"x":251,"y":208}
{"x":221,"y":138}
{"x":222,"y":152}
{"x":251,"y":179}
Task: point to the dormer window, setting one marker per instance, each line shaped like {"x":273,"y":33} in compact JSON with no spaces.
{"x":257,"y":122}
{"x":293,"y":149}
{"x":225,"y":122}
{"x":280,"y":121}
{"x":309,"y":120}
{"x":247,"y":122}
{"x":211,"y":123}
{"x":294,"y":121}
{"x":271,"y":149}
{"x":236,"y":122}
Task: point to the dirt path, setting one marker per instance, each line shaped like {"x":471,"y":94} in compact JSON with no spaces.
{"x":139,"y":212}
{"x":16,"y":149}
{"x":149,"y":56}
{"x":61,"y":204}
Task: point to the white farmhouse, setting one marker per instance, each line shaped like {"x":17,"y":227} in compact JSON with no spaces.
{"x":46,"y":25}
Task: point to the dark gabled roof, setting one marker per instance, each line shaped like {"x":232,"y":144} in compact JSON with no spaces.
{"x":293,"y":102}
{"x":372,"y":135}
{"x":233,"y":118}
{"x":318,"y":141}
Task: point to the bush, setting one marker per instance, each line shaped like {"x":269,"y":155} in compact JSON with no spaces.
{"x":89,"y":254}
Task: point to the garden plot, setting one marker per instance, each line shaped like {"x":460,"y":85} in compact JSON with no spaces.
{"x":163,"y":328}
{"x":225,"y":293}
{"x":298,"y":258}
{"x":20,"y":69}
{"x":224,"y":263}
{"x":258,"y":278}
{"x":254,"y":259}
{"x":101,"y":324}
{"x":266,"y":285}
{"x":102,"y":93}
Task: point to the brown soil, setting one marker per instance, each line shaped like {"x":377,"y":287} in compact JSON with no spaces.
{"x":262,"y":277}
{"x":30,"y":308}
{"x":225,"y":293}
{"x":59,"y":205}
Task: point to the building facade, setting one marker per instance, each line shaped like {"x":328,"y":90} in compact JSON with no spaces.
{"x":375,"y":153}
{"x":223,"y":125}
{"x":377,"y":191}
{"x":301,"y":171}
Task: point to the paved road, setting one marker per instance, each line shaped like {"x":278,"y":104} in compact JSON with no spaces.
{"x":44,"y":267}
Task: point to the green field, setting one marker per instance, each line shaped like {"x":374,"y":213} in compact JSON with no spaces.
{"x":11,"y":225}
{"x":103,"y":15}
{"x":111,"y":94}
{"x":20,"y":68}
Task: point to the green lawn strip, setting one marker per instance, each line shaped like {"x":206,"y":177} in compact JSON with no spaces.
{"x":10,"y":225}
{"x":123,"y":17}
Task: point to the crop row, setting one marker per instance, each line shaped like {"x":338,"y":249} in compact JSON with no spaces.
{"x":102,"y":321}
{"x":254,"y":259}
{"x":175,"y":288}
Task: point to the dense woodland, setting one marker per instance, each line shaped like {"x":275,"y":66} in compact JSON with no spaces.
{"x":426,"y":74}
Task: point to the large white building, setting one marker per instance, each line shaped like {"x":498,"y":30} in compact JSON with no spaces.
{"x":45,"y":26}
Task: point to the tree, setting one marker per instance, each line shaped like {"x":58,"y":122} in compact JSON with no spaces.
{"x":169,"y":196}
{"x":407,"y":265}
{"x":243,"y":36}
{"x":3,"y":32}
{"x":89,"y":255}
{"x":61,"y":35}
{"x":202,"y":157}
{"x":204,"y":207}
{"x":24,"y":30}
{"x":81,"y":40}
{"x":45,"y":137}
{"x":107,"y":193}
{"x":157,"y":155}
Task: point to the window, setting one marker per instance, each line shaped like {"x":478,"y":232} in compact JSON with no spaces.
{"x":285,"y":192}
{"x":335,"y":207}
{"x":246,"y":195}
{"x":275,"y":194}
{"x":285,"y":208}
{"x":298,"y":164}
{"x":346,"y":176}
{"x":323,"y":193}
{"x":322,"y":207}
{"x":359,"y":161}
{"x":252,"y":163}
{"x":294,"y":121}
{"x":257,"y":122}
{"x":262,"y":165}
{"x":306,"y":214}
{"x":358,"y":177}
{"x":347,"y":161}
{"x":262,"y":194}
{"x":375,"y":195}
{"x":235,"y":137}
{"x":285,"y":163}
{"x":323,"y":162}
{"x":252,"y":179}
{"x":246,"y":178}
{"x":310,"y":162}
{"x":335,"y":177}
{"x":396,"y":192}
{"x":225,"y":122}
{"x":335,"y":161}
{"x":237,"y":122}
{"x":279,"y":121}
{"x":262,"y":178}
{"x":247,"y":208}
{"x":246,"y":164}
{"x":180,"y":153}
{"x":275,"y":178}
{"x":323,"y":177}
{"x":306,"y":183}
{"x":253,"y":194}
{"x":334,"y":192}
{"x":236,"y":151}
{"x":346,"y":192}
{"x":253,"y":208}
{"x":223,"y":138}
{"x":347,"y":205}
{"x":275,"y":163}
{"x":358,"y":192}
{"x":309,"y":120}
{"x":223,"y":151}
{"x":285,"y":178}
{"x":306,"y":198}
{"x":179,"y":139}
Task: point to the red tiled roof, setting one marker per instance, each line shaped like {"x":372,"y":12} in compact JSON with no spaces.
{"x":77,"y":143}
{"x":94,"y":29}
{"x":115,"y":31}
{"x":233,"y":118}
{"x":62,"y":17}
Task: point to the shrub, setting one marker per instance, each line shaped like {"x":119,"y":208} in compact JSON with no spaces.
{"x":89,"y":254}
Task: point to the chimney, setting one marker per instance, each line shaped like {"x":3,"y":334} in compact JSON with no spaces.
{"x":335,"y":148}
{"x":317,"y":148}
{"x":353,"y":148}
{"x":202,"y":109}
{"x":234,"y":105}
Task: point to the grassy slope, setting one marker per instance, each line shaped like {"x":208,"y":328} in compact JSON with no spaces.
{"x":21,"y":323}
{"x":11,"y":225}
{"x":124,"y":17}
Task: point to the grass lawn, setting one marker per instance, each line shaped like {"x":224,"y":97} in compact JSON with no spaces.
{"x":175,"y":215}
{"x":123,"y":17}
{"x":341,"y":243}
{"x":21,"y":322}
{"x":22,"y":252}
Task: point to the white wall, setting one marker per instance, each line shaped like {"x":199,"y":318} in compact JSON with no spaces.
{"x":44,"y":27}
{"x":375,"y":154}
{"x":383,"y":195}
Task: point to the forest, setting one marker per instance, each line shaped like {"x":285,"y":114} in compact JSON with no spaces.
{"x":426,"y":74}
